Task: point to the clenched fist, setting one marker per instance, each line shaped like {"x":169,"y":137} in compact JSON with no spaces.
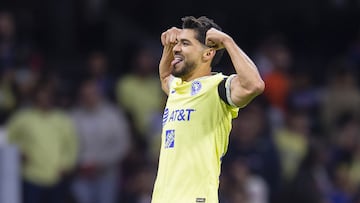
{"x":169,"y":37}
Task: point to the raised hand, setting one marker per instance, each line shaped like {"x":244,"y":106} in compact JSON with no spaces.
{"x":169,"y":37}
{"x":215,"y":38}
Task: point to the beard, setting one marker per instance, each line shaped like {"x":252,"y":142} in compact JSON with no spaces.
{"x":184,"y":70}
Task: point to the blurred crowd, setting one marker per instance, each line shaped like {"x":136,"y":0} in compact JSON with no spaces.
{"x":90,"y":135}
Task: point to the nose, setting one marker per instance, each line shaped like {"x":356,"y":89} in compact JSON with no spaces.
{"x":177,"y":48}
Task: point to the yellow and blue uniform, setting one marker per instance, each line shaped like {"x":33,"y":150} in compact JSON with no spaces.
{"x":196,"y":127}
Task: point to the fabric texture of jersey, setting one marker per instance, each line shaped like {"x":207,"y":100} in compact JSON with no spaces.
{"x":196,"y":127}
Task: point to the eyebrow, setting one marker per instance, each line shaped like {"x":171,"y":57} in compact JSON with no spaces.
{"x":190,"y":42}
{"x":185,"y":40}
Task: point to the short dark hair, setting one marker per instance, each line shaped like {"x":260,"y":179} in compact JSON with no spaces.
{"x":201,"y":25}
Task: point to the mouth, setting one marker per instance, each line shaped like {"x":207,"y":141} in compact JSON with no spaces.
{"x":177,"y":59}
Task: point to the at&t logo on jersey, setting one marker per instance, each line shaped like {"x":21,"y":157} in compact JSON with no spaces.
{"x":165,"y":116}
{"x":169,"y":139}
{"x":177,"y":115}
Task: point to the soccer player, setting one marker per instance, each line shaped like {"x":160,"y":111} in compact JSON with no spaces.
{"x":200,"y":107}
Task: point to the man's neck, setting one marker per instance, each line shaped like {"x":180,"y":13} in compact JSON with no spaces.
{"x":198,"y":73}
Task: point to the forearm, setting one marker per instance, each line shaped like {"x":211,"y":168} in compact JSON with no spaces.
{"x":165,"y":67}
{"x":245,"y":68}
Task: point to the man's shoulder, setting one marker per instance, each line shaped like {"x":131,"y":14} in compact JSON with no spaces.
{"x":19,"y":115}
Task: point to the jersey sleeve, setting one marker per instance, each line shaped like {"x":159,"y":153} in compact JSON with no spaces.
{"x":225,"y":90}
{"x":225,"y":94}
{"x":228,"y":90}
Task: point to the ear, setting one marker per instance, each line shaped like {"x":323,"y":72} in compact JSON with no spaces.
{"x":209,"y":54}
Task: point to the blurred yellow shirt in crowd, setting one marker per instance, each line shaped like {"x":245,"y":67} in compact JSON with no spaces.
{"x":47,"y":142}
{"x":141,"y":97}
{"x":196,"y":127}
{"x":354,"y":170}
{"x":292,"y":148}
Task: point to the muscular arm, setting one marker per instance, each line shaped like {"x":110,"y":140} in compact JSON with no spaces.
{"x":168,"y":40}
{"x":247,"y":84}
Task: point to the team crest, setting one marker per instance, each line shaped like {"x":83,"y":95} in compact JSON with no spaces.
{"x":195,"y":87}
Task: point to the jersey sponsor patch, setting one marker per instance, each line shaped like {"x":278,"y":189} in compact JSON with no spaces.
{"x":169,"y":139}
{"x":202,"y":200}
{"x":195,"y":87}
{"x":165,"y":116}
{"x":176,"y":115}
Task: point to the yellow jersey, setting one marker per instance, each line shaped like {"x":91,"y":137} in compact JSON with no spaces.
{"x":196,"y":127}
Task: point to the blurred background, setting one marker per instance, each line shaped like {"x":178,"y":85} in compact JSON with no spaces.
{"x":81,"y":105}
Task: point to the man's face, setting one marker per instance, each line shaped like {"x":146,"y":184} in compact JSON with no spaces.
{"x":90,"y":95}
{"x":187,"y":54}
{"x":44,"y":98}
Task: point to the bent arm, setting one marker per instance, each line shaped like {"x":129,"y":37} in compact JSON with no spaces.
{"x":165,"y":68}
{"x":168,"y":40}
{"x":247,"y":84}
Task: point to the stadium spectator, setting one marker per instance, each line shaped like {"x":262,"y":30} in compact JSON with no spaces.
{"x":343,"y":190}
{"x":135,"y":86}
{"x":278,"y":81}
{"x":292,"y":142}
{"x":344,"y":157}
{"x":341,"y":95}
{"x":98,"y":68}
{"x":354,"y":165}
{"x":25,"y":81}
{"x":313,"y":181}
{"x":252,"y":141}
{"x":15,"y":49}
{"x":244,"y":185}
{"x":8,"y":100}
{"x":304,"y":95}
{"x":46,"y":139}
{"x":8,"y":41}
{"x":104,"y":141}
{"x":344,"y":140}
